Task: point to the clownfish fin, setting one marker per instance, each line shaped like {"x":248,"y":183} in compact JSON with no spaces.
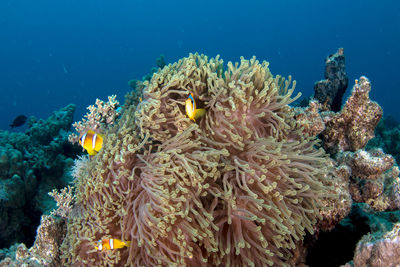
{"x":128,"y":243}
{"x":198,"y":113}
{"x":91,"y":152}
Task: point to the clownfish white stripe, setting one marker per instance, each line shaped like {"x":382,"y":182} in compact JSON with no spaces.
{"x":83,"y":138}
{"x":112,"y":243}
{"x":94,"y":141}
{"x":100,"y":246}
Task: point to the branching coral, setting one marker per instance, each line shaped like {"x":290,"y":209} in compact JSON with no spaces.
{"x":64,"y":201}
{"x":239,"y":188}
{"x":100,"y":117}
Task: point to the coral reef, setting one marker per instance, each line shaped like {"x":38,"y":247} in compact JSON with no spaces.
{"x":366,"y":175}
{"x":31,"y":164}
{"x":100,"y":117}
{"x":329,"y":92}
{"x":310,"y":118}
{"x":381,"y":250}
{"x":387,"y":137}
{"x":342,"y":203}
{"x":45,"y":251}
{"x":336,"y":247}
{"x":367,"y":164}
{"x":240,"y":188}
{"x":64,"y":200}
{"x":245,"y":185}
{"x":379,"y":245}
{"x":352,"y":127}
{"x":373,"y":178}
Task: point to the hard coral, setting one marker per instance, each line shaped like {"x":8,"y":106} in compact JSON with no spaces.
{"x":381,"y":250}
{"x":367,"y":164}
{"x":64,"y":201}
{"x":354,"y":125}
{"x":329,"y":92}
{"x":239,"y":188}
{"x":310,"y":118}
{"x":387,"y":136}
{"x":45,"y":251}
{"x":373,"y":178}
{"x":342,"y":203}
{"x":99,"y":118}
{"x":31,"y":164}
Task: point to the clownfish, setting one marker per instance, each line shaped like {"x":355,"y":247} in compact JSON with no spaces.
{"x":108,"y":244}
{"x":92,"y":142}
{"x":191,"y":111}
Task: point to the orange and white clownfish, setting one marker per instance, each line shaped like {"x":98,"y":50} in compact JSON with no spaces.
{"x":92,"y":142}
{"x":191,"y":111}
{"x":109,"y":244}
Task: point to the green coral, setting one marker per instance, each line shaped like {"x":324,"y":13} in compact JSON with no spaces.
{"x":31,"y":165}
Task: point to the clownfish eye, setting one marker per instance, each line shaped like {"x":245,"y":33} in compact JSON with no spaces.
{"x":191,"y":99}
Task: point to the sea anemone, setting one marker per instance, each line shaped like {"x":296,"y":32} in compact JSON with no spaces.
{"x":239,"y":187}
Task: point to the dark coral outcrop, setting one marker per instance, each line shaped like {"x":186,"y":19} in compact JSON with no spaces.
{"x":329,"y":92}
{"x":31,"y":165}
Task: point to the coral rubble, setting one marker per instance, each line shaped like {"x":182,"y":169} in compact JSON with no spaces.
{"x":241,"y":187}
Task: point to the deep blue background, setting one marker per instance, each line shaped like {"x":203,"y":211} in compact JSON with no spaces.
{"x":53,"y":53}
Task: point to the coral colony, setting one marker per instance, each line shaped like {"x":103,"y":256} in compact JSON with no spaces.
{"x":209,"y":165}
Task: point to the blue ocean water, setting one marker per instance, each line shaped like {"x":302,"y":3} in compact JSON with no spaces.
{"x":53,"y":53}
